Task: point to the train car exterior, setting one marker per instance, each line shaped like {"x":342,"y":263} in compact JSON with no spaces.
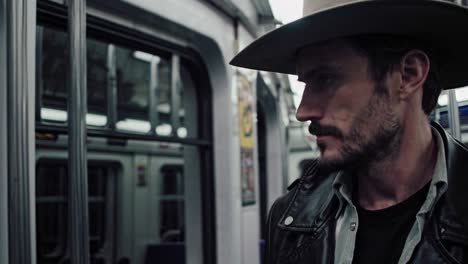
{"x":184,"y":154}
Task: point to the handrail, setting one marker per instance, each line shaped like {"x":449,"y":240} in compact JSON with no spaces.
{"x":21,"y":34}
{"x":77,"y":162}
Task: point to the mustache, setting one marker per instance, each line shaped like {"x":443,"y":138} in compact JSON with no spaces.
{"x":320,"y":130}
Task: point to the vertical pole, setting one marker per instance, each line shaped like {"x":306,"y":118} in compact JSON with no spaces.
{"x":3,"y":136}
{"x":175,"y":94}
{"x":77,"y":163}
{"x":111,"y":87}
{"x":20,"y":42}
{"x":39,"y":81}
{"x":454,"y":115}
{"x":153,"y":95}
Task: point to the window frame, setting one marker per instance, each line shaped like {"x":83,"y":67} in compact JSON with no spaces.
{"x":55,"y":15}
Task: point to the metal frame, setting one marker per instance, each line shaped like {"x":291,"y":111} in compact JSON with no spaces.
{"x":454,"y":115}
{"x":176,"y":87}
{"x":21,"y":35}
{"x":39,"y":81}
{"x":58,"y":129}
{"x":111,"y":87}
{"x":77,"y":108}
{"x":153,"y":94}
{"x":3,"y":137}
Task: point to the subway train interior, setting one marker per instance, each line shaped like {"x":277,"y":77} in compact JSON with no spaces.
{"x":126,"y":136}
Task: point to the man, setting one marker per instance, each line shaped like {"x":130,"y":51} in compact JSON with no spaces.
{"x":389,"y":187}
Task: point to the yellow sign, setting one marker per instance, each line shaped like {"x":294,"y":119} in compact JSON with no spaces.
{"x":246,"y":111}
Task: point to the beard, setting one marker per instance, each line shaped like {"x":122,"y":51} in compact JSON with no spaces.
{"x":374,"y":135}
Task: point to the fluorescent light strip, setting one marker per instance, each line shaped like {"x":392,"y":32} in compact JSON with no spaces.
{"x":164,"y":130}
{"x":96,"y":120}
{"x":134,"y":125}
{"x":54,"y":115}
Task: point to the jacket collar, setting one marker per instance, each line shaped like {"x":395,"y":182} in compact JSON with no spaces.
{"x":314,"y":202}
{"x":457,"y":171}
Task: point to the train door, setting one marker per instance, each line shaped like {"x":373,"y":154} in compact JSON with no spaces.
{"x":143,"y":101}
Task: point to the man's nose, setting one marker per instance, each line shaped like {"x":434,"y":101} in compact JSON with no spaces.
{"x":310,"y":109}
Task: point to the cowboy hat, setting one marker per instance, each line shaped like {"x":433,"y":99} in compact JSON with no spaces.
{"x":443,"y":24}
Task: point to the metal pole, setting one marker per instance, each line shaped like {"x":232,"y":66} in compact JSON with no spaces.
{"x":454,"y":115}
{"x":175,"y":94}
{"x":153,"y":95}
{"x":20,"y":23}
{"x":111,"y":87}
{"x":77,"y":108}
{"x":39,"y":81}
{"x":3,"y":136}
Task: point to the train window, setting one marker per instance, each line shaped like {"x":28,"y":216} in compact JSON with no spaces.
{"x":52,"y":210}
{"x":146,"y":83}
{"x":163,"y":95}
{"x":97,"y":75}
{"x":172,"y":221}
{"x":52,"y":77}
{"x":172,"y":216}
{"x":184,"y":129}
{"x":133,"y":83}
{"x":52,"y":73}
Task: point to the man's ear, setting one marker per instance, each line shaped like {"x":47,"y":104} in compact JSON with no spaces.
{"x":414,"y":69}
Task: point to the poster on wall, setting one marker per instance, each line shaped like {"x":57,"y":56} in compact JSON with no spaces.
{"x":246,"y":125}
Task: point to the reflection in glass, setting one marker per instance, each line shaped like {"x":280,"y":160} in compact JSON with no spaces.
{"x":54,"y":67}
{"x":97,"y":76}
{"x":133,"y":80}
{"x":163,"y":92}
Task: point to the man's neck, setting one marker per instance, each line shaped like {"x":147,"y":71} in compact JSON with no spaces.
{"x":393,"y":179}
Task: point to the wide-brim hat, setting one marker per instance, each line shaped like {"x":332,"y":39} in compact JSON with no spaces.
{"x":443,"y":24}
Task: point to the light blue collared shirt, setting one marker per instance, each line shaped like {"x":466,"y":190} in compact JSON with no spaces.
{"x":348,"y":222}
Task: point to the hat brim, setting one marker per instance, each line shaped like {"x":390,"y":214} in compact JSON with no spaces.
{"x":443,"y":24}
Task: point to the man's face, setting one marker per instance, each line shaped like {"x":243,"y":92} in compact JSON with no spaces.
{"x":354,"y":118}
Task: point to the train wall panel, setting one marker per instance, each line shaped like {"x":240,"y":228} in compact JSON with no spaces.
{"x":249,"y":10}
{"x":198,"y":16}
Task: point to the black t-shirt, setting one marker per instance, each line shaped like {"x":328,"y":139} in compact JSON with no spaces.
{"x":382,"y":233}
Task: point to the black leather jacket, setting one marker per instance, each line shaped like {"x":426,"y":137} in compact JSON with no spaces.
{"x":310,"y":238}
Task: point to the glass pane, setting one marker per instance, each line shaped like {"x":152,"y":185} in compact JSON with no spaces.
{"x":51,"y":232}
{"x":172,"y":221}
{"x":188,"y":112}
{"x":133,"y":81}
{"x":172,"y":180}
{"x":97,"y":76}
{"x":54,"y":69}
{"x":53,"y":72}
{"x":163,"y":97}
{"x":51,"y":209}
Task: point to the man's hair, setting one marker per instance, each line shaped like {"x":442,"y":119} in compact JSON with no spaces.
{"x":385,"y":53}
